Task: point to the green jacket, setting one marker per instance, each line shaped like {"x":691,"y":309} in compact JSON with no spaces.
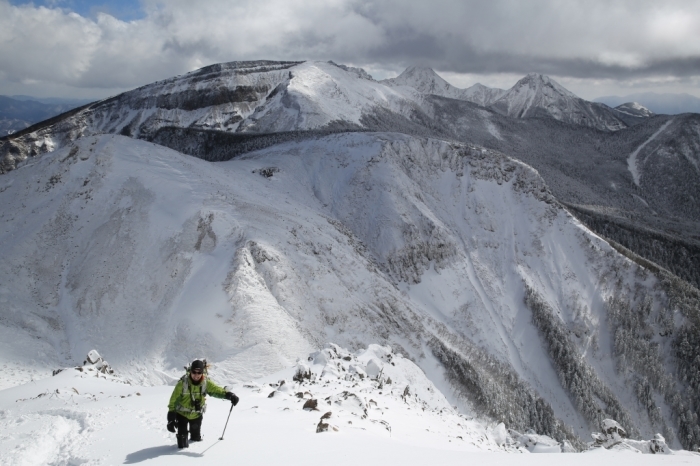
{"x":186,"y":392}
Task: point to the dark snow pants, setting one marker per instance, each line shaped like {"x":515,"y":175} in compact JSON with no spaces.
{"x":194,"y":424}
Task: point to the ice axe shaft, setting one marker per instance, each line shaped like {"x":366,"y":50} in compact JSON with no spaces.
{"x":229,"y":417}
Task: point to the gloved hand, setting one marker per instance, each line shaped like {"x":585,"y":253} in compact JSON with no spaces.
{"x":232,"y":396}
{"x":171,"y":421}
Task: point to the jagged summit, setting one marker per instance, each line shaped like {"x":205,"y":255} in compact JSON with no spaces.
{"x":426,"y":81}
{"x":537,"y":95}
{"x":537,"y":82}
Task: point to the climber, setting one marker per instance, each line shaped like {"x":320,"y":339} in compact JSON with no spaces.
{"x":188,"y":402}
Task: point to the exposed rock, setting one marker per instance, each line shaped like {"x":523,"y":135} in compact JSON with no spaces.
{"x":311,"y":405}
{"x":267,"y":172}
{"x":97,"y":362}
{"x":321,"y":427}
{"x":613,"y":429}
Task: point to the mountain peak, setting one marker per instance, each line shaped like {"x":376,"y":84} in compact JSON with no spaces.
{"x":543,"y":83}
{"x":538,"y":95}
{"x":419,"y":70}
{"x":422,"y":78}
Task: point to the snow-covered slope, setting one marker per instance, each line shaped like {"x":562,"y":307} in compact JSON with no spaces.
{"x":427,"y":81}
{"x":102,"y":420}
{"x":455,"y":255}
{"x":537,"y":95}
{"x":634,"y":109}
{"x":372,"y":406}
{"x":482,"y":95}
{"x":666,"y":165}
{"x":154,"y":258}
{"x":319,"y":94}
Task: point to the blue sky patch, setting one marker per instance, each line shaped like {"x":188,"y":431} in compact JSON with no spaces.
{"x":125,"y":10}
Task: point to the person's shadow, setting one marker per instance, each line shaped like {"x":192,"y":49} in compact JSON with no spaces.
{"x":154,"y":452}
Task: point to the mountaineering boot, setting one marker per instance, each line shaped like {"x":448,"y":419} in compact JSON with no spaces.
{"x":195,"y":433}
{"x":196,"y":429}
{"x":182,"y":441}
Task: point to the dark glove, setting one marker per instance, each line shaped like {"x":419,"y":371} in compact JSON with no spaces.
{"x":171,"y":421}
{"x":232,"y":397}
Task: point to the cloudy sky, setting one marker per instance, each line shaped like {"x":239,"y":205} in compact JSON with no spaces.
{"x":93,"y":49}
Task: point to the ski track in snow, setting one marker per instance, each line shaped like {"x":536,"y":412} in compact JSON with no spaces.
{"x":632,"y":159}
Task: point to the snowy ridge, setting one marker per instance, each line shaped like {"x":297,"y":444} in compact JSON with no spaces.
{"x":365,"y":406}
{"x":320,"y":93}
{"x":427,"y":81}
{"x":482,"y":95}
{"x":271,"y":97}
{"x":634,"y":109}
{"x":539,"y":95}
{"x":251,"y":97}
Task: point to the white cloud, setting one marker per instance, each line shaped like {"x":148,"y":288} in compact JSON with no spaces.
{"x":42,"y":43}
{"x":578,"y":39}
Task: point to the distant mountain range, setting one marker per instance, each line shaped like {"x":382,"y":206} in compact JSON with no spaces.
{"x":634,"y":109}
{"x":427,"y":81}
{"x":535,"y":95}
{"x":20,"y":111}
{"x":666,"y":104}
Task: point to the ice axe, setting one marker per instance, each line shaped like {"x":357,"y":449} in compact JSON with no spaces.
{"x":229,"y":417}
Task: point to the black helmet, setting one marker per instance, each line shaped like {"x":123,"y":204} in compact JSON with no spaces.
{"x":197,"y":365}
